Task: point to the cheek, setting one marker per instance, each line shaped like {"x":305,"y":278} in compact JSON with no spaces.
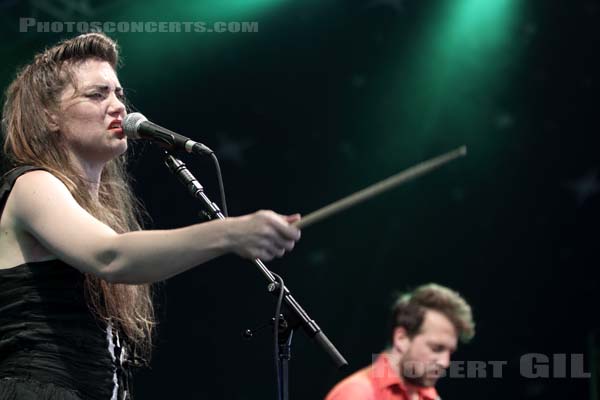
{"x":421,"y":352}
{"x":412,"y":365}
{"x":80,"y":128}
{"x":83,"y":113}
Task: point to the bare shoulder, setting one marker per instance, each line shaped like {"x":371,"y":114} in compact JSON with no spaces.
{"x":16,"y":244}
{"x":37,"y":192}
{"x":39,"y":185}
{"x":41,"y":208}
{"x":32,"y":180}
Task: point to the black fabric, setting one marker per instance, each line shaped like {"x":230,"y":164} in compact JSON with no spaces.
{"x":51,"y":345}
{"x":26,"y":389}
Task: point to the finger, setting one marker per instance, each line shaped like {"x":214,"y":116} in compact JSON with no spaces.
{"x":274,"y":243}
{"x":268,"y":247}
{"x":284,"y":229}
{"x":264,"y":255}
{"x":292,"y":218}
{"x":275,"y":250}
{"x":273,"y":253}
{"x":289,"y":245}
{"x":284,"y":244}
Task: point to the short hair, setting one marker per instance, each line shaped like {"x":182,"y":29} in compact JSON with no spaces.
{"x":409,"y":310}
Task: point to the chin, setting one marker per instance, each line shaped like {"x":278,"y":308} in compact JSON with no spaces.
{"x":422,"y":381}
{"x":113,"y":152}
{"x":121,"y":148}
{"x":429,"y":382}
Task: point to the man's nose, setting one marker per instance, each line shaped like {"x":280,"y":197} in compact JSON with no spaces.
{"x":444,"y":360}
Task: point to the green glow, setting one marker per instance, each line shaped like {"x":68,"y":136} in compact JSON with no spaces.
{"x":230,"y":8}
{"x":481,"y":18}
{"x":463,"y":47}
{"x":446,"y":81}
{"x":159,"y":53}
{"x":473,"y":31}
{"x":204,"y":10}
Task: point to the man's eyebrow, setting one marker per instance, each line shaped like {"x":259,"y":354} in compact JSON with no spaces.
{"x":436,"y":343}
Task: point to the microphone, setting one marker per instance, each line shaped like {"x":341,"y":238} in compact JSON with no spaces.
{"x":136,"y":126}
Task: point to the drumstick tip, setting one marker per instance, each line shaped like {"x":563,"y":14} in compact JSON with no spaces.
{"x":462,"y":150}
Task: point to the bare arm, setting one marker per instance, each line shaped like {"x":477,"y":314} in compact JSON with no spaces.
{"x":43,"y":207}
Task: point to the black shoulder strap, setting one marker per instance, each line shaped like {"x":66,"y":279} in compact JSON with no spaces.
{"x":7,"y":182}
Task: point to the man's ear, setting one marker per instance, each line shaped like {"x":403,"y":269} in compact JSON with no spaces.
{"x":401,"y":340}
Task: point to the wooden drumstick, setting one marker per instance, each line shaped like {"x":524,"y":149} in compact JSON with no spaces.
{"x":380,"y":187}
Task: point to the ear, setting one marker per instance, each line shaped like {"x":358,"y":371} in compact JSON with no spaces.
{"x":400,"y":340}
{"x":52,"y":121}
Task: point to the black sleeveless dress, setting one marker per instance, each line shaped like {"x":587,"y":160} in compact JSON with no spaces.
{"x":51,"y":345}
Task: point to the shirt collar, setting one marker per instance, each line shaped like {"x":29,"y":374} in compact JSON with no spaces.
{"x":384,"y":376}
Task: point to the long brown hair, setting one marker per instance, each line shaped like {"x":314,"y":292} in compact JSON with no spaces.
{"x":30,"y":98}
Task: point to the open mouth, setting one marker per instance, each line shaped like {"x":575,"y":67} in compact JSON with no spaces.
{"x":116,"y":126}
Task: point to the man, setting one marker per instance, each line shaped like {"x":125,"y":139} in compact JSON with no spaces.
{"x":426,"y":326}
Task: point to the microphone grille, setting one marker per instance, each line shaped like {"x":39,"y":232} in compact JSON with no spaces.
{"x":131,"y":123}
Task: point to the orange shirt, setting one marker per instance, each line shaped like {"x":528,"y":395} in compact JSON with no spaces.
{"x":378,"y":382}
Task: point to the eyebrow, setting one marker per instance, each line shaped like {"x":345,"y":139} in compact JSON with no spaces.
{"x":104,"y":88}
{"x":451,"y":348}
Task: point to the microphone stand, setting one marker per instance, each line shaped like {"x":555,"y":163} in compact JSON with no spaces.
{"x":294,"y":314}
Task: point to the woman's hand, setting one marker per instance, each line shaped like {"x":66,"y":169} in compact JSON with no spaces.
{"x":264,"y":234}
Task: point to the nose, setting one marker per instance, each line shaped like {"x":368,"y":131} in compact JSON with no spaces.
{"x":116,"y":106}
{"x":444,"y":360}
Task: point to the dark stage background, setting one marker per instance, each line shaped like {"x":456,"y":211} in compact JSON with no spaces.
{"x":330,"y":96}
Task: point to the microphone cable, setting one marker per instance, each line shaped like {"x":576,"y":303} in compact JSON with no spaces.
{"x":221,"y":186}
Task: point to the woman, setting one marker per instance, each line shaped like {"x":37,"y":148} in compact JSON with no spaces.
{"x":75,"y":268}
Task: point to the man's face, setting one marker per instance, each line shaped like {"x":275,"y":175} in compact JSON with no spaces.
{"x":427,"y":354}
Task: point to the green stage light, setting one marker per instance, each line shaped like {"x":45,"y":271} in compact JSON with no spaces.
{"x":220,"y":9}
{"x":443,"y":84}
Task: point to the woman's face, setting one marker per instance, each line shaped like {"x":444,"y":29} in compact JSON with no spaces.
{"x":91,"y":114}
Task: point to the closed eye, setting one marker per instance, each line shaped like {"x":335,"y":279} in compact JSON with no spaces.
{"x":102,"y":91}
{"x":438,"y":348}
{"x":96,"y":96}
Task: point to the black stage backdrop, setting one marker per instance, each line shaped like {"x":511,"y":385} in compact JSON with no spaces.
{"x":326,"y":97}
